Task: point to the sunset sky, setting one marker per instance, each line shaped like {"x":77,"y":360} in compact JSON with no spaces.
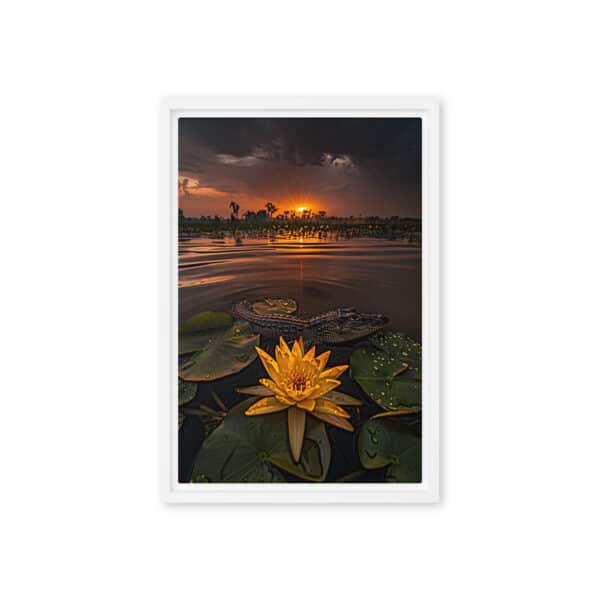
{"x":367,"y":166}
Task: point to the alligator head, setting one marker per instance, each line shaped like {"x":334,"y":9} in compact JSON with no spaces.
{"x":352,"y":324}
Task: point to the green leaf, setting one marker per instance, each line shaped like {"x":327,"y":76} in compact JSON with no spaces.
{"x":254,"y":449}
{"x":187,"y":391}
{"x":402,"y":346}
{"x":389,"y":371}
{"x":409,"y":470}
{"x":205,"y":321}
{"x":217,"y":352}
{"x":195,"y":331}
{"x":389,"y":443}
{"x":275,"y":306}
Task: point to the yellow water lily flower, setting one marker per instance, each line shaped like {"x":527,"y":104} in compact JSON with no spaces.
{"x":300,"y":383}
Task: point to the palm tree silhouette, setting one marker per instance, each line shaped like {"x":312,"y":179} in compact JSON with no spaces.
{"x":235,"y":209}
{"x":271,"y":209}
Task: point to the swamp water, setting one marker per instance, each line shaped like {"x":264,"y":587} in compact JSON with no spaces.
{"x":373,"y":275}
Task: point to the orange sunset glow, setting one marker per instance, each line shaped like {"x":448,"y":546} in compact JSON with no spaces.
{"x":298,"y":168}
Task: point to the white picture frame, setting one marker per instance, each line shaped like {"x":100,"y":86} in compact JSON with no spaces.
{"x":171,"y":110}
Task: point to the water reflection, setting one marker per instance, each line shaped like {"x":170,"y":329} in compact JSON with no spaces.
{"x":373,"y":275}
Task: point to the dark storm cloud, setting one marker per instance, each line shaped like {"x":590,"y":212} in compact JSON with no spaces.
{"x":305,"y":141}
{"x":360,"y":165}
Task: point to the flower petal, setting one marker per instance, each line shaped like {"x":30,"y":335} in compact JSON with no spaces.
{"x":324,"y":387}
{"x":298,"y":349}
{"x":283,"y":359}
{"x":333,"y":420}
{"x":342,"y":399}
{"x":284,"y":399}
{"x":265,"y":406}
{"x":284,"y":347}
{"x":296,"y":426}
{"x":268,"y":362}
{"x":322,"y":359}
{"x":330,"y":408}
{"x":308,"y":405}
{"x":334,"y":372}
{"x":310,"y":355}
{"x":395,"y":413}
{"x":255,"y":390}
{"x":272,"y":386}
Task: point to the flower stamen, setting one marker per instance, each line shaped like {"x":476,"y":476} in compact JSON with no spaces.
{"x":299,"y":383}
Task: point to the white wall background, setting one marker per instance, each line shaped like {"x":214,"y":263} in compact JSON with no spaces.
{"x":80,"y":515}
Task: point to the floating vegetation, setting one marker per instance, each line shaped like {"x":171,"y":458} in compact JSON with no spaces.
{"x":187,"y":392}
{"x":280,"y":432}
{"x":205,"y":321}
{"x":275,"y":306}
{"x":400,"y":412}
{"x":391,"y":444}
{"x":218,"y":345}
{"x":247,"y":449}
{"x":329,"y":228}
{"x":209,"y":417}
{"x":389,"y":370}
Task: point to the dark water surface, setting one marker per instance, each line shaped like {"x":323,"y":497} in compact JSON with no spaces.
{"x":373,"y":275}
{"x":378,"y":276}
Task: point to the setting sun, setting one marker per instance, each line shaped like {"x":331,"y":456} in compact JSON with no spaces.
{"x":302,"y":209}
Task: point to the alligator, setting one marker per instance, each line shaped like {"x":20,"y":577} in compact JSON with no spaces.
{"x":331,"y":327}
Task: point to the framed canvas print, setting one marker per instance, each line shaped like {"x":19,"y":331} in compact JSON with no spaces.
{"x":299,"y":299}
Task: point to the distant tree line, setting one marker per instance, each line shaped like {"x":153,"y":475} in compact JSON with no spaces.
{"x":264,"y":222}
{"x":268,"y":213}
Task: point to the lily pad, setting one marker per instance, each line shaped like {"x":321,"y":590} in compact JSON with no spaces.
{"x":254,"y":449}
{"x":398,"y":344}
{"x":275,"y":306}
{"x":389,"y":443}
{"x":187,"y":391}
{"x":217,"y":352}
{"x":206,"y":321}
{"x":194,"y":332}
{"x":389,"y":371}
